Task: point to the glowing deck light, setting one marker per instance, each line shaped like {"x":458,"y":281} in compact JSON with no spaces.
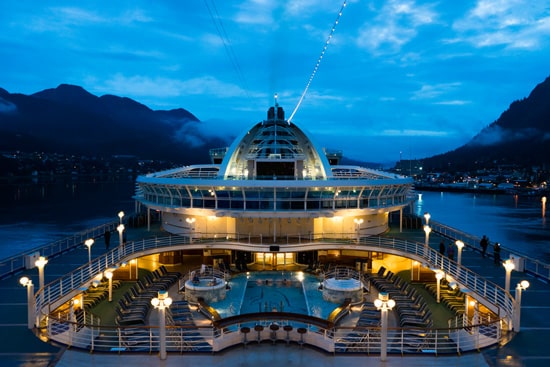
{"x":40,"y":264}
{"x":384,"y":304}
{"x":508,"y":266}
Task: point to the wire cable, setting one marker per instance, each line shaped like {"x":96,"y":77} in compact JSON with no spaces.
{"x":217,"y":20}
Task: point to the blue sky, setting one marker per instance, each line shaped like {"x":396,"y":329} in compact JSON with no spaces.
{"x":399,"y":78}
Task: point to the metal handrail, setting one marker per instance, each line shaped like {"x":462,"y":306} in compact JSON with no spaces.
{"x":532,"y":266}
{"x":59,"y":291}
{"x":14,"y":264}
{"x":342,"y":339}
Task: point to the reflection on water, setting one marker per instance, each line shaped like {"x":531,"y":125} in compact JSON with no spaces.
{"x":35,"y":213}
{"x":514,"y":221}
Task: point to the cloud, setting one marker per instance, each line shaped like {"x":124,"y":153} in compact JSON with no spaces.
{"x":496,"y":134}
{"x":191,"y":135}
{"x":140,"y":85}
{"x":135,"y":16}
{"x":256,"y":12}
{"x":79,"y":16}
{"x":6,"y":107}
{"x":456,"y":102}
{"x":64,"y":20}
{"x":395,"y":25}
{"x":428,"y":91}
{"x":199,"y":134}
{"x":211,"y":86}
{"x":124,"y":53}
{"x":73,"y":15}
{"x":412,"y":132}
{"x":307,"y":8}
{"x":270,"y":13}
{"x":212,"y":40}
{"x":513,"y":24}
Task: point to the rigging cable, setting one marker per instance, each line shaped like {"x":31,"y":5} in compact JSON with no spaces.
{"x":227,"y":44}
{"x":318,"y":62}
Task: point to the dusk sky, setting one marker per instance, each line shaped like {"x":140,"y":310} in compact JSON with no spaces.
{"x":398,"y":78}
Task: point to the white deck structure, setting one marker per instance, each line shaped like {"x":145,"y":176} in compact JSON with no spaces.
{"x":274,"y":184}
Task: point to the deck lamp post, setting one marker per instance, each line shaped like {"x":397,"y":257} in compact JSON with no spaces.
{"x":475,"y":321}
{"x":109,"y":276}
{"x":40,"y":263}
{"x":543,"y":200}
{"x":26,"y":282}
{"x":474,"y":306}
{"x":414,"y":264}
{"x":73,"y":306}
{"x":120,"y":216}
{"x":89,"y":242}
{"x":384,"y":304}
{"x":120,"y":230}
{"x":508,"y":266}
{"x":358,"y":222}
{"x":459,"y":245}
{"x":438,"y":276}
{"x":427,"y":217}
{"x":162,"y":302}
{"x":427,"y":231}
{"x":523,"y":285}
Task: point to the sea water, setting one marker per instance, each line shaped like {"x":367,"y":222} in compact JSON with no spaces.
{"x":33,"y":214}
{"x":514,"y":221}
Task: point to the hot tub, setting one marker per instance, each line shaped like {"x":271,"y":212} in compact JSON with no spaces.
{"x":338,"y":290}
{"x":208,"y":289}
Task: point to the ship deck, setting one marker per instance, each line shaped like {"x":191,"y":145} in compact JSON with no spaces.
{"x":20,"y":347}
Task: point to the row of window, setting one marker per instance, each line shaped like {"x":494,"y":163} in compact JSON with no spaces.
{"x":279,"y":204}
{"x":270,"y":193}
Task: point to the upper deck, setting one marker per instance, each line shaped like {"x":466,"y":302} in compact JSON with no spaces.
{"x":274,"y":166}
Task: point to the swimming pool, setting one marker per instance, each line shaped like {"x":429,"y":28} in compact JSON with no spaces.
{"x":279,"y":291}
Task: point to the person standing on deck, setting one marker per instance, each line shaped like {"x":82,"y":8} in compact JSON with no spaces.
{"x":484,"y":243}
{"x":496,"y":252}
{"x":451,"y":251}
{"x":442,"y":247}
{"x":107,"y":236}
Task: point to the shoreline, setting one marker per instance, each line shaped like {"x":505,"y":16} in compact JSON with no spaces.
{"x":495,"y":191}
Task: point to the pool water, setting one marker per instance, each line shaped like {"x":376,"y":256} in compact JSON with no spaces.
{"x":269,"y":291}
{"x":266,"y":294}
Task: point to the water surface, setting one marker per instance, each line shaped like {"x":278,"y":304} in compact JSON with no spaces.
{"x":514,"y":221}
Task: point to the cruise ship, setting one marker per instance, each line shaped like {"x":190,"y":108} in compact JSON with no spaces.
{"x":273,"y":249}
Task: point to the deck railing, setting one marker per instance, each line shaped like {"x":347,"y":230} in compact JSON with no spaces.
{"x":26,"y":259}
{"x":530,"y":265}
{"x":62,"y":289}
{"x":96,"y":338}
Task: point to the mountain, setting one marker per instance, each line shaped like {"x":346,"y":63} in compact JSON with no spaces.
{"x":69,"y":119}
{"x":520,"y":136}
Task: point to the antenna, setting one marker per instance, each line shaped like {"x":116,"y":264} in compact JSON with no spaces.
{"x":318,"y":62}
